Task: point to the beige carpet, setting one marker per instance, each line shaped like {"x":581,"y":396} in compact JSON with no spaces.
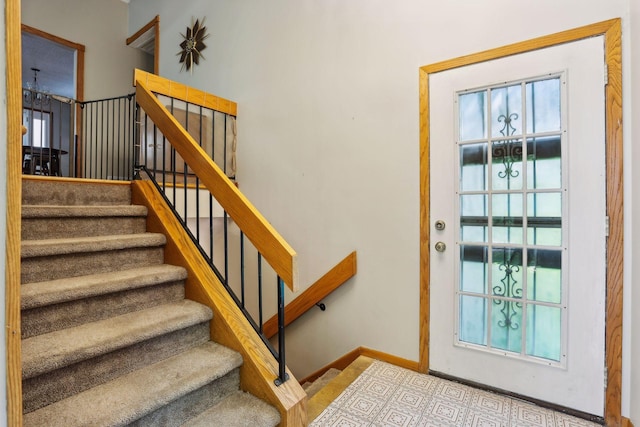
{"x":387,"y":395}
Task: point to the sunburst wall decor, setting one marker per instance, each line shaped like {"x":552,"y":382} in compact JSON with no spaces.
{"x":193,"y":45}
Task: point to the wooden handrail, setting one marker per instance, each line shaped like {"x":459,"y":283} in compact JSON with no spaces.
{"x":162,"y":86}
{"x":328,"y":283}
{"x":264,"y":237}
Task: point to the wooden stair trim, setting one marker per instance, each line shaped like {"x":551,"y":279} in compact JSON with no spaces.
{"x":229,"y":327}
{"x":332,"y":390}
{"x":73,"y":180}
{"x":275,"y":250}
{"x":13,"y":173}
{"x":325,"y":285}
{"x":344,"y":361}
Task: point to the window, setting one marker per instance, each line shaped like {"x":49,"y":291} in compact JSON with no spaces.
{"x":511,"y":234}
{"x":38,"y":125}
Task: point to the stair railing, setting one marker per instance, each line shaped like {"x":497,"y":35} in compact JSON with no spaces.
{"x":106,"y":143}
{"x":314,"y":294}
{"x":217,"y":216}
{"x":103,"y":147}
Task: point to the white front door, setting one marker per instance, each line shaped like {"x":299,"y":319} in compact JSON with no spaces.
{"x":518,"y":226}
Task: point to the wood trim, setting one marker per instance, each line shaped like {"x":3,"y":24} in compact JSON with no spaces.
{"x":330,"y":392}
{"x":53,"y":38}
{"x":230,"y":327}
{"x":615,"y":241}
{"x":423,"y":340}
{"x":156,"y":48}
{"x":390,"y":358}
{"x":149,"y":25}
{"x":73,"y":180}
{"x":162,"y":86}
{"x":611,"y":30}
{"x":626,"y":422}
{"x":349,"y":358}
{"x":13,"y":211}
{"x":340,"y":364}
{"x":315,"y":293}
{"x":562,"y":37}
{"x":265,"y":238}
{"x":80,"y":48}
{"x":155,"y":24}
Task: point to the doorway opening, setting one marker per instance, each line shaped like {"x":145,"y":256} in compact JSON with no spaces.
{"x":147,"y":39}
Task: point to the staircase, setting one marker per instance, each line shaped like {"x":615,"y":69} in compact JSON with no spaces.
{"x":108,"y":337}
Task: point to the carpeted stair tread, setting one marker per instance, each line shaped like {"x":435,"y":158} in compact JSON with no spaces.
{"x":60,"y":191}
{"x":39,"y":294}
{"x":134,"y":395}
{"x":239,"y":409}
{"x":48,"y":247}
{"x":48,"y":352}
{"x":57,"y":211}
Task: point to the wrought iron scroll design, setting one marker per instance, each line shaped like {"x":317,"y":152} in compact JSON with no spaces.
{"x":509,"y":151}
{"x":508,"y":288}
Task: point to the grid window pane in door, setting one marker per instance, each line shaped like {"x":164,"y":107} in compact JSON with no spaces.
{"x":511,"y":292}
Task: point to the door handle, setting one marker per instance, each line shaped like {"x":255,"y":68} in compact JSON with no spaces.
{"x":441,"y":247}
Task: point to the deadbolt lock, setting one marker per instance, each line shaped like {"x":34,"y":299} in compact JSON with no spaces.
{"x":440,"y":225}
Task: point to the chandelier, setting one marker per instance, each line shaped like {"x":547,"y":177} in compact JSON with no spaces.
{"x":33,"y":93}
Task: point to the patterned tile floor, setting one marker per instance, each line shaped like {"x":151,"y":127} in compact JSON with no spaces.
{"x":387,"y":395}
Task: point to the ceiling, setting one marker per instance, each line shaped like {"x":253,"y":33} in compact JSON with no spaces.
{"x":55,"y":62}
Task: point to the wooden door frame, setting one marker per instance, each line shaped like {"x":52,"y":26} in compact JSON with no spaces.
{"x":79,"y":48}
{"x":611,"y":30}
{"x":154,"y":25}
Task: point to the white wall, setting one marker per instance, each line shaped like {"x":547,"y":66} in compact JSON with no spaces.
{"x":100,"y":25}
{"x":328,"y":128}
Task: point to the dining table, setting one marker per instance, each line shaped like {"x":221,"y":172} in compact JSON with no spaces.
{"x":41,"y":160}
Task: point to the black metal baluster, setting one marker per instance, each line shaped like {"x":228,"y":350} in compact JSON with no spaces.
{"x":282,"y":373}
{"x":185,"y":171}
{"x":173,"y":163}
{"x":226,"y":249}
{"x":86,"y":149}
{"x":211,"y":235}
{"x":118,"y":164}
{"x":146,"y":140}
{"x":260,"y":319}
{"x":242,"y":268}
{"x":110,"y":141}
{"x":100,"y":156}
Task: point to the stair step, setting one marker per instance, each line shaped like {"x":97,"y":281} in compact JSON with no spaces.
{"x":63,"y":303}
{"x":237,"y":410}
{"x":45,"y":353}
{"x":185,"y":383}
{"x":317,"y":385}
{"x":58,"y":211}
{"x":59,"y":364}
{"x":52,"y":191}
{"x":74,"y":245}
{"x":54,"y":222}
{"x":52,"y":259}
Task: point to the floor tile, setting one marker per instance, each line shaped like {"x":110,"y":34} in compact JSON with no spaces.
{"x":388,"y":396}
